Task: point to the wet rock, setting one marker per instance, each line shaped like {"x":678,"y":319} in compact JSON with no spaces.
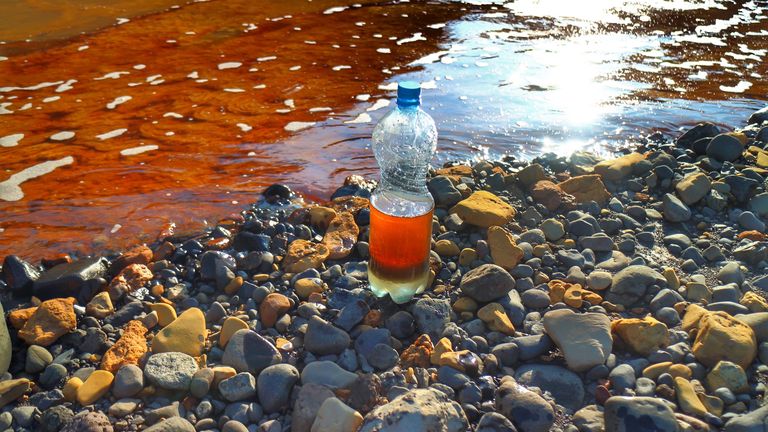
{"x":80,"y":279}
{"x":100,"y":306}
{"x":504,"y":251}
{"x":247,"y":351}
{"x":585,"y":339}
{"x":52,"y":319}
{"x":131,"y":278}
{"x":273,"y":307}
{"x":484,"y":209}
{"x":701,"y":130}
{"x":487,"y":282}
{"x":443,"y":191}
{"x":303,"y":255}
{"x":19,"y":275}
{"x":619,"y":168}
{"x":550,"y":195}
{"x":426,"y":410}
{"x":725,"y":147}
{"x":341,"y":235}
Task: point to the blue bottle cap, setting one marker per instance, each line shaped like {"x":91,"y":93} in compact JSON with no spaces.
{"x":408,"y":93}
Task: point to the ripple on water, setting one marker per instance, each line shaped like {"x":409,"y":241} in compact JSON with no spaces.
{"x":10,"y":189}
{"x":112,"y":134}
{"x":138,"y":150}
{"x":118,"y":100}
{"x":296,"y":126}
{"x":63,"y":136}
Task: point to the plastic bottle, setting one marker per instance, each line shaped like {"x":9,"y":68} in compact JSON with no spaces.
{"x":404,"y":142}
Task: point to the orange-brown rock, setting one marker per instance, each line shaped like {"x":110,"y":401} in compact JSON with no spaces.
{"x":723,"y":337}
{"x":303,"y":255}
{"x":53,"y":319}
{"x":163,"y":251}
{"x":128,"y":349}
{"x":351,"y":204}
{"x":619,"y":168}
{"x":131,"y":278}
{"x":373,"y":318}
{"x":549,"y":195}
{"x":138,"y":255}
{"x":272,"y":308}
{"x":586,"y":188}
{"x":752,"y":235}
{"x":484,"y":209}
{"x":455,"y":172}
{"x":19,"y":317}
{"x":320,"y":217}
{"x":418,"y":353}
{"x":341,"y":235}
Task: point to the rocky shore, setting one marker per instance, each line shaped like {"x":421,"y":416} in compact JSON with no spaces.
{"x":567,"y":294}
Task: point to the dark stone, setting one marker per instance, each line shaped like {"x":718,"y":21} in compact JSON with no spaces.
{"x":211,"y":260}
{"x":352,"y":314}
{"x":19,"y":274}
{"x":351,"y":190}
{"x":701,"y":130}
{"x":277,"y":191}
{"x":80,"y":279}
{"x":364,"y":393}
{"x":247,"y":351}
{"x":741,"y":187}
{"x":246,"y":241}
{"x":125,"y":314}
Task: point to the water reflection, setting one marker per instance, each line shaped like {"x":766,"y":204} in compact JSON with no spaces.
{"x":187,"y":113}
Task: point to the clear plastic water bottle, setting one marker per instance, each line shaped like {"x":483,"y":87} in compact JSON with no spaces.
{"x":404,"y":142}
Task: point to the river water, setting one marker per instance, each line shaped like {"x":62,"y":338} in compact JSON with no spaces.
{"x":120,"y":116}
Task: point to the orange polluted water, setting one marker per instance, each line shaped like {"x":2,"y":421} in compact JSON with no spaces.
{"x":399,"y":248}
{"x":180,"y":116}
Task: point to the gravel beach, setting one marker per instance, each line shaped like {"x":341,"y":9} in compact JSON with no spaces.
{"x":566,"y":294}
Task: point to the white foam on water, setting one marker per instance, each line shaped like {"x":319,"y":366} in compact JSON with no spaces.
{"x":310,"y":42}
{"x":115,"y":228}
{"x":10,"y":189}
{"x":294,"y":68}
{"x":133,"y":151}
{"x":170,"y":133}
{"x":66,"y":86}
{"x":436,"y":26}
{"x":33,"y":87}
{"x":260,"y":86}
{"x":157,"y":82}
{"x":171,"y":41}
{"x":741,"y":87}
{"x":112,"y":75}
{"x":51,"y":99}
{"x":379,"y":104}
{"x":341,"y":67}
{"x":267,"y":58}
{"x":173,"y":114}
{"x":251,"y":154}
{"x":389,"y":86}
{"x":234,"y":90}
{"x":360,"y":23}
{"x":296,"y":126}
{"x":82,"y":47}
{"x":11,"y":140}
{"x":121,"y":21}
{"x":244,"y":127}
{"x":140,"y":66}
{"x":118,"y":100}
{"x":25,"y":107}
{"x":2,"y":58}
{"x":229,"y":65}
{"x":4,"y":109}
{"x":334,"y":10}
{"x":361,"y":118}
{"x":153,"y":77}
{"x":63,"y":136}
{"x":428,"y":85}
{"x":383,"y":50}
{"x":363,"y":97}
{"x":430,"y":58}
{"x":283,"y":110}
{"x":193,"y":75}
{"x":320,"y":109}
{"x":416,"y":37}
{"x":112,"y":134}
{"x":289,"y":103}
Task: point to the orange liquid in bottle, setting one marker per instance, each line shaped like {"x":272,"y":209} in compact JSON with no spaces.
{"x":399,"y":248}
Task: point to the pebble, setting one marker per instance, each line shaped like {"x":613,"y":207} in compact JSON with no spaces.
{"x":186,"y":334}
{"x":334,"y":415}
{"x":527,"y":410}
{"x":240,"y":387}
{"x":129,"y":380}
{"x":171,"y":370}
{"x":428,"y":409}
{"x":95,"y":387}
{"x":328,"y":374}
{"x":247,"y":351}
{"x":487,"y":283}
{"x":37,"y":359}
{"x":324,"y":338}
{"x":584,"y":339}
{"x":565,"y":386}
{"x":274,"y":386}
{"x":624,"y":414}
